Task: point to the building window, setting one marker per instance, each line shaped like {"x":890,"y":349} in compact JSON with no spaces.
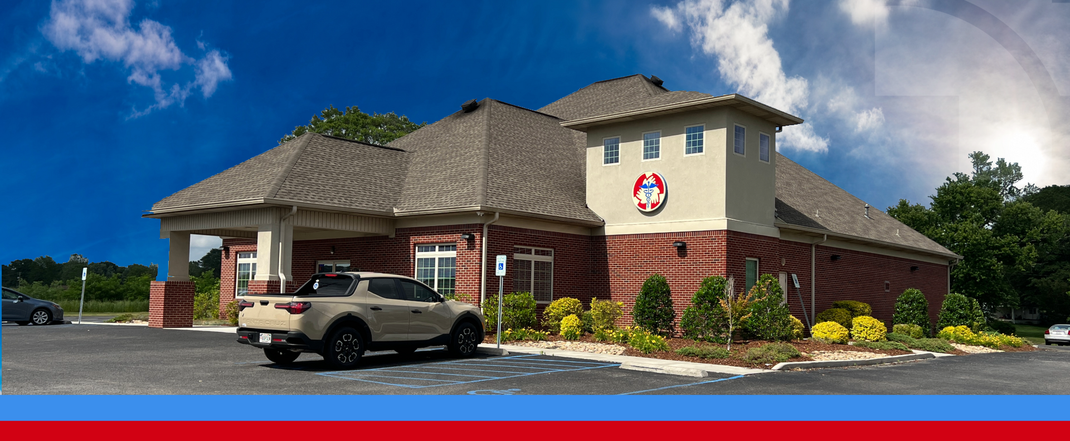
{"x":752,"y":273}
{"x":332,"y":266}
{"x":534,"y":272}
{"x":246,"y":272}
{"x":436,"y":266}
{"x":693,"y":140}
{"x":610,"y":151}
{"x":740,"y":140}
{"x":763,"y":147}
{"x":651,"y":145}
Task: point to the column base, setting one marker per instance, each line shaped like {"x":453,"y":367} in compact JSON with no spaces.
{"x":171,"y":304}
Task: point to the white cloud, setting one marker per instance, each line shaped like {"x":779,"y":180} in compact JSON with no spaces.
{"x":737,"y":35}
{"x":867,"y":120}
{"x":667,"y":17}
{"x":101,"y":30}
{"x":865,"y":11}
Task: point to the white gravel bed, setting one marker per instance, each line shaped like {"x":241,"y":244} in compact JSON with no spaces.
{"x":974,"y":349}
{"x":581,"y":346}
{"x":843,"y":355}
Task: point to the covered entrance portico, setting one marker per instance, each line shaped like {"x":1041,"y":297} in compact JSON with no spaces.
{"x":273,"y":228}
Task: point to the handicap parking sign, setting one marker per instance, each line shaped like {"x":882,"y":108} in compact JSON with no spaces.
{"x":499,"y":267}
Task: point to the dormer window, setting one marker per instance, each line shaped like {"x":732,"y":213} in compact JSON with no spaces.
{"x":739,"y":141}
{"x":651,"y":145}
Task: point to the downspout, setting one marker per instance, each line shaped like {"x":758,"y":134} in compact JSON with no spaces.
{"x":282,"y":243}
{"x":813,"y":275}
{"x":483,"y":259}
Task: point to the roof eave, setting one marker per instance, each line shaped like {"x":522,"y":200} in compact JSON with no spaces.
{"x":506,"y":211}
{"x":760,"y":110}
{"x":247,"y":203}
{"x":880,"y":243}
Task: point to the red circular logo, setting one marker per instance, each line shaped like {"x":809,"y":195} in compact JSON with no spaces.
{"x":649,"y":192}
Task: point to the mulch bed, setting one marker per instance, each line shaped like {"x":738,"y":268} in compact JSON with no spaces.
{"x":739,"y":348}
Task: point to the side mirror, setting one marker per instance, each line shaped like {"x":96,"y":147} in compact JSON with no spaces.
{"x":20,"y":299}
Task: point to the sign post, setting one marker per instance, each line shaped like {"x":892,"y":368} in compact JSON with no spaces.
{"x":499,"y":270}
{"x":82,"y":301}
{"x":795,"y":281}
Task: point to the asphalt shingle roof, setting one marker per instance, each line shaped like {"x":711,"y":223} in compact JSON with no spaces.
{"x":807,"y":200}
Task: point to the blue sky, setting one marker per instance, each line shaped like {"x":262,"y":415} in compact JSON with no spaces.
{"x":112,"y":105}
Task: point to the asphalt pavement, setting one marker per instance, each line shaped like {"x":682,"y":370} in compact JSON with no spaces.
{"x":108,"y":359}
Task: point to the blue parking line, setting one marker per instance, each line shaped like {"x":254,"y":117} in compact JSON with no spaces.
{"x":428,"y":373}
{"x":683,"y":385}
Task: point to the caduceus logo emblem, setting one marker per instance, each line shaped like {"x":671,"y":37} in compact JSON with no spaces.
{"x":649,"y":192}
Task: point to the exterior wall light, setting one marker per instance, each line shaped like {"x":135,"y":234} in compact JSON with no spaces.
{"x":680,"y":244}
{"x":467,"y":236}
{"x":914,"y":268}
{"x":226,"y":250}
{"x":332,"y":249}
{"x":835,"y":257}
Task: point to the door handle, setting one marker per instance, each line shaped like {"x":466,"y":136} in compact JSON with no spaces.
{"x":376,"y":308}
{"x":263,"y":303}
{"x":417,"y":311}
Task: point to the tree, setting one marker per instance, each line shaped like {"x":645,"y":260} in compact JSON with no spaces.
{"x":378,"y":128}
{"x":979,"y":217}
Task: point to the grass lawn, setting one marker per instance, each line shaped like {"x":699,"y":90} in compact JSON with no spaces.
{"x":1035,"y":334}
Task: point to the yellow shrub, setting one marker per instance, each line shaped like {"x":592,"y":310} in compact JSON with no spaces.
{"x":868,"y":328}
{"x":571,"y":327}
{"x":798,"y":329}
{"x":829,"y":332}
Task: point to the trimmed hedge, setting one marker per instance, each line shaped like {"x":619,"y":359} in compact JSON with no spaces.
{"x":856,"y":307}
{"x":558,"y":310}
{"x":838,"y":315}
{"x":829,"y":332}
{"x":912,"y":307}
{"x":653,"y":309}
{"x":956,"y":311}
{"x":868,"y":328}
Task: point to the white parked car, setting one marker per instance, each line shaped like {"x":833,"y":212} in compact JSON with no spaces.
{"x":1058,"y":334}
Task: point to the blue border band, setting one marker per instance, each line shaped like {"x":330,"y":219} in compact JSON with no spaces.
{"x":521,"y":408}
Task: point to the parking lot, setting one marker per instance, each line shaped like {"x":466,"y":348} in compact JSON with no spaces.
{"x":105,"y":360}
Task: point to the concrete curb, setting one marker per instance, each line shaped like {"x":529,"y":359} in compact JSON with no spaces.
{"x":669,"y":367}
{"x":490,"y":350}
{"x":845,"y":363}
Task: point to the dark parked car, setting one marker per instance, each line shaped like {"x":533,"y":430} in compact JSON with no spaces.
{"x":23,"y":309}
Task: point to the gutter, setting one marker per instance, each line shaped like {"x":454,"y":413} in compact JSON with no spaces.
{"x":483,"y":258}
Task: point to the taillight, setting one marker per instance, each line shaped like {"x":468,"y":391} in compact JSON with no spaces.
{"x":1047,"y":331}
{"x":244,"y":304}
{"x":294,"y":307}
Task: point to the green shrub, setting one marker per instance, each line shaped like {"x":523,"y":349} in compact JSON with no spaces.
{"x":962,"y":334}
{"x":128,"y":317}
{"x":705,"y":319}
{"x":653,"y":309}
{"x":882,"y":345}
{"x":518,"y":311}
{"x":908,"y":329}
{"x":587,"y":319}
{"x":771,"y":353}
{"x":704,"y":351}
{"x":838,"y":315}
{"x":856,"y":308}
{"x":605,"y":313}
{"x":523,"y":334}
{"x":231,"y":312}
{"x":559,"y":309}
{"x":900,"y":337}
{"x":769,"y":316}
{"x":980,"y":320}
{"x":956,"y":311}
{"x":798,"y":329}
{"x":912,"y":307}
{"x":571,"y":327}
{"x":868,"y":328}
{"x":646,"y":342}
{"x":71,"y":306}
{"x":829,"y":332}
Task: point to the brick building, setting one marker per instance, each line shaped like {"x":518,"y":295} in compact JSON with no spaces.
{"x":588,"y":196}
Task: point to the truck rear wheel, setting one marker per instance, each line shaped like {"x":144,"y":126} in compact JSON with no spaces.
{"x":344,"y":348}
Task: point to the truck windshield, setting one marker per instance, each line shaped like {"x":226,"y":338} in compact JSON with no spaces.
{"x":326,"y":285}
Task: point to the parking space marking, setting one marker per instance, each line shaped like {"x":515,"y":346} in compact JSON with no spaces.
{"x":444,"y":373}
{"x":683,"y":385}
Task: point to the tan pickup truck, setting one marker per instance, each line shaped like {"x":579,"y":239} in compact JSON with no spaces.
{"x":341,"y":315}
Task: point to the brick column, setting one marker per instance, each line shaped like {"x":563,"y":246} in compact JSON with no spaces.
{"x":171,"y":304}
{"x":263,"y":286}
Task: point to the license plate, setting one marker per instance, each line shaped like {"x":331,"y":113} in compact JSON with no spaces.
{"x":265,"y":338}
